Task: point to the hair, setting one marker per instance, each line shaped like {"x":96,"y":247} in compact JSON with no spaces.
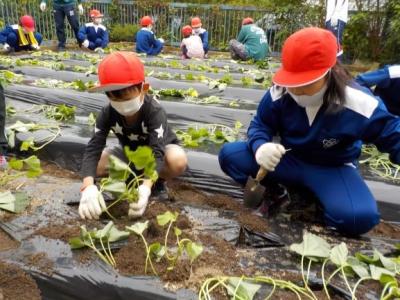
{"x":123,"y":92}
{"x":335,"y":95}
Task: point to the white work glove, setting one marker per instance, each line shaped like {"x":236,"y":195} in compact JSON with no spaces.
{"x":161,"y":40}
{"x":6,"y":47}
{"x":42,"y":6}
{"x":92,"y":203}
{"x":269,"y":155}
{"x":35,"y":47}
{"x":99,"y":50}
{"x":85,"y":43}
{"x":137,"y":209}
{"x":80,"y":8}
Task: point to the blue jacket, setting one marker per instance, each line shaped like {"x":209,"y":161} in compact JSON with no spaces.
{"x":332,"y":139}
{"x":387,"y":85}
{"x":6,"y":32}
{"x":204,"y":38}
{"x":14,"y":42}
{"x":88,"y":31}
{"x":146,"y":42}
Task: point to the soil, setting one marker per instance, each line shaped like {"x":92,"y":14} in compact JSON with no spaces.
{"x":16,"y":284}
{"x":56,"y":171}
{"x":386,"y":230}
{"x":6,"y":242}
{"x":40,"y":261}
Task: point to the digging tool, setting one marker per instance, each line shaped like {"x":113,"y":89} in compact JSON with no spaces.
{"x":254,"y":191}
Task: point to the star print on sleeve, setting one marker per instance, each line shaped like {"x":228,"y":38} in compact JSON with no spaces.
{"x":134,"y":137}
{"x":117,"y":129}
{"x":144,"y":128}
{"x":160,"y":132}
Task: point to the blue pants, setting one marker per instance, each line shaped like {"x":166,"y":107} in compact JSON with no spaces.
{"x":13,"y":41}
{"x":60,"y":12}
{"x":3,"y":139}
{"x":96,"y":44}
{"x":348,"y":204}
{"x":338,"y":32}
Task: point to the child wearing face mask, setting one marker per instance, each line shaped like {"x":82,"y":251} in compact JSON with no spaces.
{"x":201,"y":32}
{"x":94,"y":35}
{"x":21,"y":36}
{"x":137,"y":120}
{"x":146,"y":41}
{"x":323,"y":117}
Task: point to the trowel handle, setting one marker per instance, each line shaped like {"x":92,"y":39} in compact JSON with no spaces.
{"x":261,"y":174}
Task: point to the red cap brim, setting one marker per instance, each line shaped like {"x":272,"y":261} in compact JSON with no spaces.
{"x":109,"y":87}
{"x":295,"y":79}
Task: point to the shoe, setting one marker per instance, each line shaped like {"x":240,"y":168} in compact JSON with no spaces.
{"x":3,"y":162}
{"x":160,"y":191}
{"x":274,"y":198}
{"x":61,"y":48}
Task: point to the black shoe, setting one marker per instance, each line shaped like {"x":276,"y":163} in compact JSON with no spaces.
{"x":61,"y":48}
{"x":160,"y":191}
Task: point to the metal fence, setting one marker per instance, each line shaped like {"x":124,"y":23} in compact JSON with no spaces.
{"x":222,"y":22}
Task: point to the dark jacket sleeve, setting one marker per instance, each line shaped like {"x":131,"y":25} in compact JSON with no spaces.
{"x":96,"y":144}
{"x":157,"y":127}
{"x":105,"y":39}
{"x":82,"y":34}
{"x":4,"y":34}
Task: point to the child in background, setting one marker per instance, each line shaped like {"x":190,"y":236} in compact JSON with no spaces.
{"x":137,"y":120}
{"x":146,"y":41}
{"x":21,"y":36}
{"x":94,"y":35}
{"x":3,"y":140}
{"x":191,"y":45}
{"x":201,"y":32}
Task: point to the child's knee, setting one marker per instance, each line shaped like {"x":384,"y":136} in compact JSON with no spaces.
{"x":98,"y":43}
{"x":355,"y":223}
{"x":38,"y":37}
{"x":12,"y":39}
{"x":176,"y":159}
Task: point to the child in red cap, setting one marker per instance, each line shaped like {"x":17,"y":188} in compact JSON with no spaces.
{"x":198,"y":30}
{"x":146,"y":41}
{"x":94,"y":35}
{"x":323,"y":117}
{"x":191,"y":45}
{"x":137,"y":120}
{"x":21,"y":36}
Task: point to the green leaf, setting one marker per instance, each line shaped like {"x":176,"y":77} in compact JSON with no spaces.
{"x":117,"y":235}
{"x":360,"y":268}
{"x":377,"y":272}
{"x":193,"y":250}
{"x":177,"y":231}
{"x":367,"y":259}
{"x":103,"y":233}
{"x":387,"y":279}
{"x":312,"y":246}
{"x":118,"y":170}
{"x":138,"y":228}
{"x":157,"y":250}
{"x":92,"y":119}
{"x":115,"y":187}
{"x":167,"y":217}
{"x":11,"y":139}
{"x":13,"y":203}
{"x":244,"y":290}
{"x":387,"y":263}
{"x":27,"y":144}
{"x":77,"y":243}
{"x":142,"y":157}
{"x":339,"y":254}
{"x":15,"y":164}
{"x":33,"y":166}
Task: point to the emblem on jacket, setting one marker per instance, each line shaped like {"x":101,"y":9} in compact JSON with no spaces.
{"x":328,"y":143}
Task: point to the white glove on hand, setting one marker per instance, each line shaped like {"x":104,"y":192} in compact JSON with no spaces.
{"x":35,"y":47}
{"x":6,"y":47}
{"x":80,"y":8}
{"x":99,"y":50}
{"x":42,"y":6}
{"x":137,"y":209}
{"x":85,"y":43}
{"x":269,"y":155}
{"x":161,"y":40}
{"x":92,"y":203}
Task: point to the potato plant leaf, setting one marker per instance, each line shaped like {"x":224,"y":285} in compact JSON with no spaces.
{"x":138,"y":228}
{"x":193,"y":250}
{"x":16,"y":164}
{"x":177,"y":231}
{"x":244,"y":290}
{"x":167,"y":217}
{"x":339,"y":254}
{"x":377,"y":272}
{"x":118,"y":170}
{"x":114,"y":187}
{"x":312,"y":246}
{"x":358,"y":267}
{"x":117,"y":235}
{"x":15,"y":203}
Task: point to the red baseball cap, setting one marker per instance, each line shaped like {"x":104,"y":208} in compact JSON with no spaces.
{"x":247,"y":21}
{"x":28,"y":23}
{"x":307,"y":56}
{"x":196,"y":22}
{"x":94,"y":13}
{"x":119,"y":70}
{"x":186,"y":30}
{"x":146,"y":21}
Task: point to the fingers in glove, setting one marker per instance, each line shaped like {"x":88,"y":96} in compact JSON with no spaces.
{"x":281,"y":149}
{"x":136,"y":213}
{"x":138,"y":205}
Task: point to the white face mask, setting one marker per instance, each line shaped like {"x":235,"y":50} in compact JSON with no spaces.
{"x":308,"y":101}
{"x":97,"y":21}
{"x":129,"y":107}
{"x":197,"y":30}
